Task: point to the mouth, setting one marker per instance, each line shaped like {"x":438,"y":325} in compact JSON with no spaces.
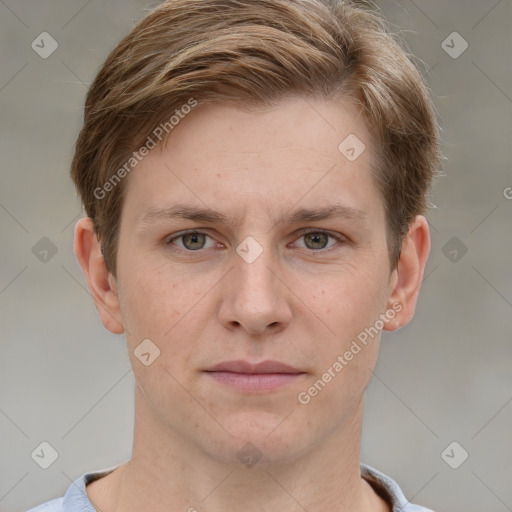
{"x":254,"y":378}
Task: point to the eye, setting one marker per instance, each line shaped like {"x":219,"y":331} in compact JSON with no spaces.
{"x":316,"y":240}
{"x":191,"y":240}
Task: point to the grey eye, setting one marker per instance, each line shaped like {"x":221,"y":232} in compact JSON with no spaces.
{"x":317,"y":240}
{"x":193,"y":241}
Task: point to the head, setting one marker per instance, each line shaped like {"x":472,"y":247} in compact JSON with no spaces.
{"x":243,"y":109}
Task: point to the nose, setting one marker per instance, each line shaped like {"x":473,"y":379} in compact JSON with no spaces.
{"x":256,"y":297}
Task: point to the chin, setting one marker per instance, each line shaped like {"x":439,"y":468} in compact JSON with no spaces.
{"x":261,"y":439}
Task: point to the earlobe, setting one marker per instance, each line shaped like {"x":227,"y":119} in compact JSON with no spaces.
{"x":101,"y":283}
{"x":405,"y":282}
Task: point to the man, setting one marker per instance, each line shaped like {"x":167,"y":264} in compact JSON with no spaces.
{"x":255,"y":174}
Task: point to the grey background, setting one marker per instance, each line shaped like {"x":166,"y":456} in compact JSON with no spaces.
{"x":445,"y":377}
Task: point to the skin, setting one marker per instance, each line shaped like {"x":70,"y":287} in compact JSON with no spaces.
{"x":298,"y":302}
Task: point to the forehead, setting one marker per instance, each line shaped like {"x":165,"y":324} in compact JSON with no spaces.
{"x":303,"y":150}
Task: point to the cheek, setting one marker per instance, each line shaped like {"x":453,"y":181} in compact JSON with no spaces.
{"x":354,"y":298}
{"x":150,"y":305}
{"x":351,"y":307}
{"x":347,"y":356}
{"x":165,"y":306}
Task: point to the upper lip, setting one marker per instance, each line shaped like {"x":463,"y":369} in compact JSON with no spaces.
{"x":246,"y":367}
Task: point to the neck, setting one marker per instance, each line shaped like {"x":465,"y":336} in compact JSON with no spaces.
{"x":169,"y":473}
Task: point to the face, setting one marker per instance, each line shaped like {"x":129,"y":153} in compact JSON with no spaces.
{"x":262,"y":279}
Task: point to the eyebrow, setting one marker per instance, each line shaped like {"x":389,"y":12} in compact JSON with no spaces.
{"x":207,"y":215}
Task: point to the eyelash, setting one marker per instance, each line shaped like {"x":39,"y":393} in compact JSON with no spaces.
{"x":340,"y":239}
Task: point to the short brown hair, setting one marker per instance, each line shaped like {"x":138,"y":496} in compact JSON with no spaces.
{"x":257,"y":52}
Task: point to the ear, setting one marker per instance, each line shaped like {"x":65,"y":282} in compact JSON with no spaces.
{"x":406,"y":279}
{"x":101,"y":283}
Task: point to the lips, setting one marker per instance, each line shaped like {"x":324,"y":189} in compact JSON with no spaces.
{"x":246,"y":377}
{"x":260,"y":368}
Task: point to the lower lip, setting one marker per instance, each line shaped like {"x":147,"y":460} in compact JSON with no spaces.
{"x":255,"y":382}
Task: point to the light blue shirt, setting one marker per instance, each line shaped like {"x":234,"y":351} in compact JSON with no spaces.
{"x":76,"y":499}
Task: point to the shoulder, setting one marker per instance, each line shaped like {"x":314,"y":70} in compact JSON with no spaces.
{"x":76,"y":498}
{"x":55,"y":505}
{"x":390,"y":491}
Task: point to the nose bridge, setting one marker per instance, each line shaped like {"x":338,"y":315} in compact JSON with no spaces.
{"x":255,"y":259}
{"x":256,"y":297}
